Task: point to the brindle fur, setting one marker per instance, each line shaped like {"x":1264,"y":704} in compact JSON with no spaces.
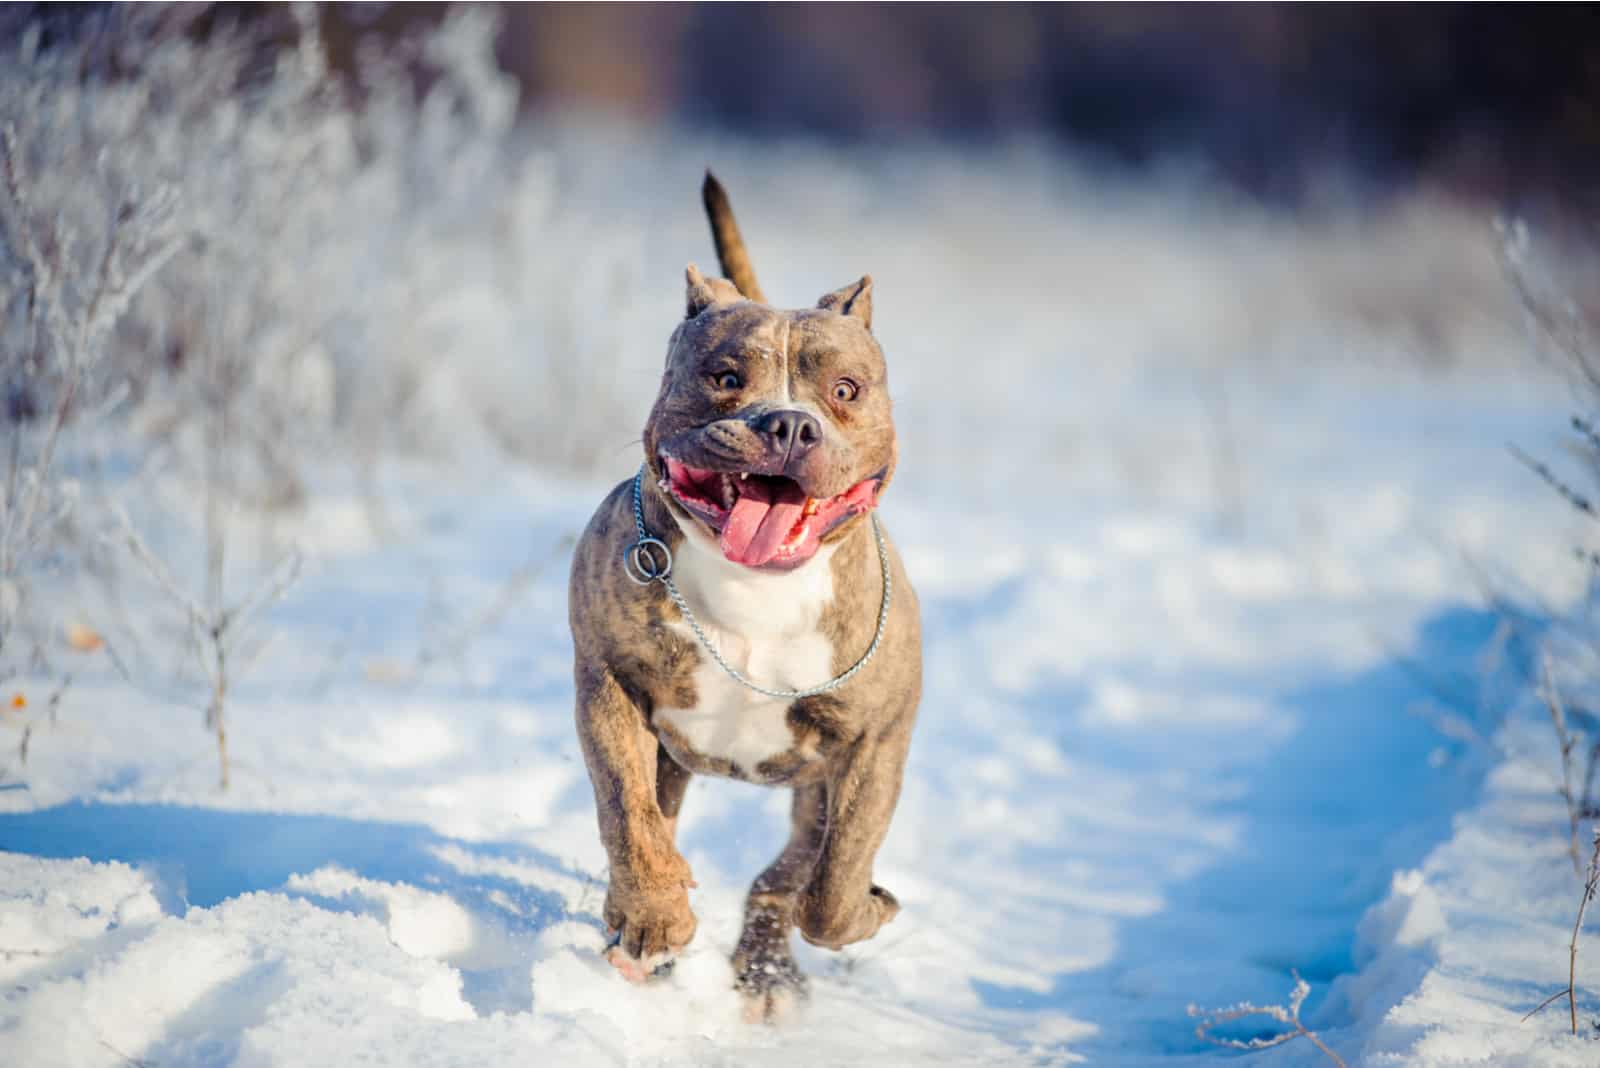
{"x":730,"y":244}
{"x":849,"y":748}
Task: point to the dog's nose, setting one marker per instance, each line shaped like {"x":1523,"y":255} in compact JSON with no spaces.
{"x":793,"y":433}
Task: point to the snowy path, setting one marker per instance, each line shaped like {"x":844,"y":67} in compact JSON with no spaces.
{"x":1158,"y":763}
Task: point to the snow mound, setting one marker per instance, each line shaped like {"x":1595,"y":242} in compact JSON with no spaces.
{"x":261,"y":979}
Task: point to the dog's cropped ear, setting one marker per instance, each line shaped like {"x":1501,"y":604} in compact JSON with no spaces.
{"x":854,"y":299}
{"x":705,"y":292}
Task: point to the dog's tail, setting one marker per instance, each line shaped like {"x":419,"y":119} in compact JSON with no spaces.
{"x":730,"y":245}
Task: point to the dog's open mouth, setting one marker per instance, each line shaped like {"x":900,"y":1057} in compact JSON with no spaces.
{"x":764,"y":520}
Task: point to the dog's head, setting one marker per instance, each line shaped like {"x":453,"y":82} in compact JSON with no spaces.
{"x":772,"y":433}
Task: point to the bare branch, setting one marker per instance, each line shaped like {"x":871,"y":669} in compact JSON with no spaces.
{"x":1568,"y":332}
{"x":270,"y":591}
{"x":1288,"y":1015}
{"x":158,"y":571}
{"x":214,"y":632}
{"x":1591,"y":884}
{"x":1587,"y":430}
{"x":1567,"y":743}
{"x":506,"y":597}
{"x":1572,"y":496}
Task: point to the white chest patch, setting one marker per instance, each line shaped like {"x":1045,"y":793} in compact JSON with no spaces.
{"x":766,"y":626}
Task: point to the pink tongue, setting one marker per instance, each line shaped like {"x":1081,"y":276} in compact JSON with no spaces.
{"x":761,"y":518}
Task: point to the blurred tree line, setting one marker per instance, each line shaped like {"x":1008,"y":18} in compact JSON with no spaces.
{"x":1500,"y":101}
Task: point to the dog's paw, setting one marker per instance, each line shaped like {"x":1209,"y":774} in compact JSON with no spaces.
{"x":770,"y":983}
{"x":834,"y":925}
{"x":637,"y":970}
{"x":772,"y":990}
{"x":648,"y":928}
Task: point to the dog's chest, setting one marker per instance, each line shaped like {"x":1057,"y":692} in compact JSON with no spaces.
{"x":767,"y":627}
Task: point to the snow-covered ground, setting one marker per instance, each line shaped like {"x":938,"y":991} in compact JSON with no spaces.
{"x":1205,"y":504}
{"x":1162,"y":760}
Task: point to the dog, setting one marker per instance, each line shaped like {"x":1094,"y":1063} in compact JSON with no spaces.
{"x":738,"y":610}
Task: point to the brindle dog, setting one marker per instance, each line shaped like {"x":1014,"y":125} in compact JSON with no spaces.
{"x":765,"y":454}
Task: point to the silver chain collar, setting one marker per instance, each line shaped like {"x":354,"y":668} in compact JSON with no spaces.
{"x":640,"y":562}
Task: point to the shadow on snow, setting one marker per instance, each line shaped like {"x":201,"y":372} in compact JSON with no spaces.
{"x":204,"y":856}
{"x":1363,"y":788}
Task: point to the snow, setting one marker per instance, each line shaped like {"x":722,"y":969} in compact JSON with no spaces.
{"x":1472,"y":940}
{"x":1157,"y":765}
{"x":1210,"y":514}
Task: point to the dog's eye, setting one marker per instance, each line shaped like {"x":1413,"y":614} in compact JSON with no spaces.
{"x":727,"y":380}
{"x":845,"y":390}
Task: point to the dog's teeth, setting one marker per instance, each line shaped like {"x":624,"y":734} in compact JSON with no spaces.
{"x":743,"y":475}
{"x":811,"y":507}
{"x":728,"y":493}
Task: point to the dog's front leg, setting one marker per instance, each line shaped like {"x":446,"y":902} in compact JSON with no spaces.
{"x":764,"y":969}
{"x":647,"y":903}
{"x":672,"y":780}
{"x":840,"y":904}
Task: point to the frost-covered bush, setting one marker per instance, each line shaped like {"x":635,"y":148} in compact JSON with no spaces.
{"x":221,"y":271}
{"x":1566,"y":335}
{"x":207,"y":236}
{"x":1566,"y":331}
{"x":76,"y":246}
